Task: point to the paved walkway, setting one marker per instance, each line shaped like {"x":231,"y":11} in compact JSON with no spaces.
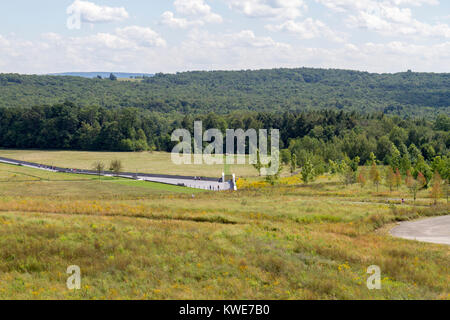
{"x":434,"y":230}
{"x":190,"y":183}
{"x":206,"y":183}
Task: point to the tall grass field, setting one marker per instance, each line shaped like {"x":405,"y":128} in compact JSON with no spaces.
{"x":142,"y":240}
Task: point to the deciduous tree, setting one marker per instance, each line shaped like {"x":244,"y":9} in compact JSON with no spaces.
{"x":116,"y":166}
{"x":375,"y":175}
{"x":413,"y":185}
{"x":390,"y":178}
{"x":362,"y":179}
{"x":258,"y":165}
{"x":436,"y":187}
{"x":308,"y":172}
{"x":99,"y":167}
{"x":293,"y":164}
{"x":398,"y":178}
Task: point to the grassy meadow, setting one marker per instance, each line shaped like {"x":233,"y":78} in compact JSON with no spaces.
{"x":144,"y":162}
{"x":151,"y":241}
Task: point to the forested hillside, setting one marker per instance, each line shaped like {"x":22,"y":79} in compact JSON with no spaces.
{"x":319,"y":136}
{"x":323,"y":115}
{"x":404,"y":94}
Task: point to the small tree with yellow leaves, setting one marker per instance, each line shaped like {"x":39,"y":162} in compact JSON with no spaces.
{"x":390,"y":178}
{"x":398,"y":178}
{"x":414,"y":185}
{"x":436,"y":187}
{"x":362,"y":179}
{"x":375,"y":175}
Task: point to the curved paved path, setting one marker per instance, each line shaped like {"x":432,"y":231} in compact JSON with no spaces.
{"x":434,"y":230}
{"x":213,"y":184}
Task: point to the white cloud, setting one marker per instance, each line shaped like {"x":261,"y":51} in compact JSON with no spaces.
{"x":247,"y":38}
{"x":370,"y":5}
{"x":3,"y":41}
{"x":141,"y":36}
{"x":388,"y":17}
{"x":272,"y":9}
{"x":308,"y":29}
{"x":410,"y":44}
{"x":403,"y":55}
{"x":192,"y":7}
{"x":92,"y":13}
{"x":128,"y":38}
{"x":198,"y":9}
{"x":242,"y":39}
{"x":205,"y":51}
{"x":345,"y":5}
{"x":168,"y":19}
{"x":194,"y":12}
{"x":215,"y":53}
{"x":416,"y":3}
{"x":393,"y":23}
{"x":105,"y":40}
{"x":395,"y":14}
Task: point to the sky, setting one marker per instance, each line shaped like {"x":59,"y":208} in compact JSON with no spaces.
{"x":151,"y":36}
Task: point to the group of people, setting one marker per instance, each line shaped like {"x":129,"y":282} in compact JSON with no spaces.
{"x":212,"y":188}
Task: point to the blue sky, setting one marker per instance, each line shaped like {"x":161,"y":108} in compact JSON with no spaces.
{"x":177,"y":35}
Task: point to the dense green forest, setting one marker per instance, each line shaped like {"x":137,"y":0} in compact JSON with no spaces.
{"x":303,"y":89}
{"x":320,"y":137}
{"x":325,"y":116}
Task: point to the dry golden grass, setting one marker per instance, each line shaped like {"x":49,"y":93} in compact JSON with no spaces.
{"x":282,"y":242}
{"x":145,"y":162}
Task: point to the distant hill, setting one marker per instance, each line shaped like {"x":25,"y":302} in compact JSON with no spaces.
{"x":91,"y":75}
{"x":280,"y":90}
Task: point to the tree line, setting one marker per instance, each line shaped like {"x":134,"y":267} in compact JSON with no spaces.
{"x":317,"y":136}
{"x":301,"y":89}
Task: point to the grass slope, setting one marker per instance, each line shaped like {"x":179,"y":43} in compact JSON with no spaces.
{"x":282,"y":242}
{"x":145,"y":162}
{"x":18,"y":180}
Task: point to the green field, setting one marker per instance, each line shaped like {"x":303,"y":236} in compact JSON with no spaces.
{"x":19,"y":181}
{"x":144,"y":162}
{"x":136,"y":240}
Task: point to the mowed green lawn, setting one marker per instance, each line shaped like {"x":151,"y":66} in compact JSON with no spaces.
{"x":24,"y":181}
{"x":145,"y":162}
{"x":133,"y":240}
